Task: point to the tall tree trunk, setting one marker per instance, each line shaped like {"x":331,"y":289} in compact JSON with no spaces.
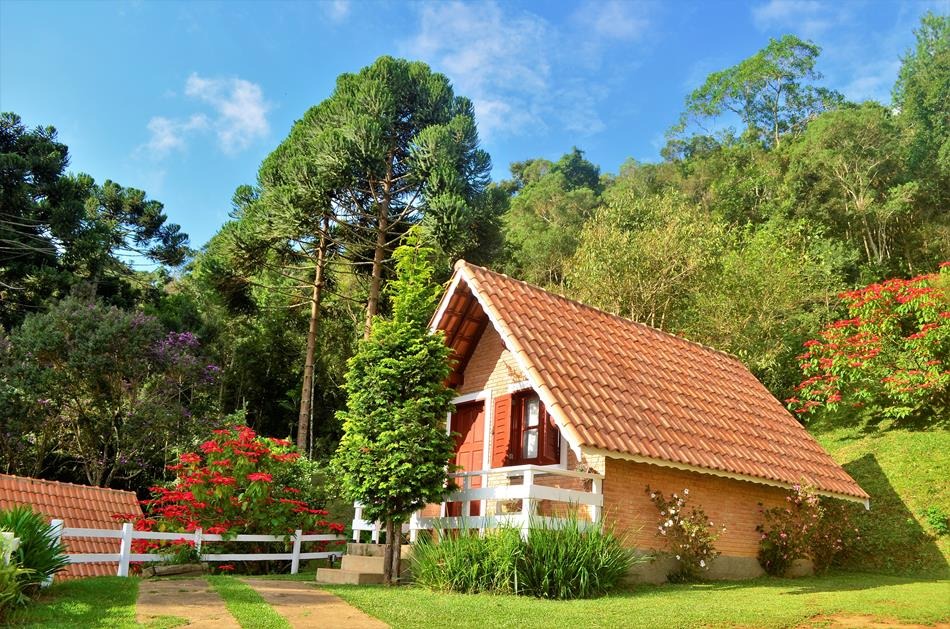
{"x":372,"y":306}
{"x":397,"y":552}
{"x":388,"y":554}
{"x":306,"y":394}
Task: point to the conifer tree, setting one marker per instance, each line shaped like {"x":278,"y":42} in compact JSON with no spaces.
{"x":395,"y":451}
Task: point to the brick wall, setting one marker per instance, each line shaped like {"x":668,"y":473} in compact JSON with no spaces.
{"x":491,"y":366}
{"x":727,"y":502}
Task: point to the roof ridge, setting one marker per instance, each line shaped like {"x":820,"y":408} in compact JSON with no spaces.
{"x":60,"y":482}
{"x":625,"y":320}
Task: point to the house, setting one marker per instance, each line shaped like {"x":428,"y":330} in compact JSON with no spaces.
{"x":560,"y":403}
{"x":79,"y":506}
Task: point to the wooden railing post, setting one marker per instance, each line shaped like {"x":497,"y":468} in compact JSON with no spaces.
{"x":295,"y":559}
{"x":527,"y":504}
{"x":596,"y":511}
{"x":56,"y":532}
{"x":197,"y":539}
{"x":467,"y":503}
{"x":125,"y":549}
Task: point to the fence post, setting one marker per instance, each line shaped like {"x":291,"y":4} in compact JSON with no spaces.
{"x":125,"y":549}
{"x":527,"y":504}
{"x":56,"y":532}
{"x":357,"y":518}
{"x":295,"y":558}
{"x":597,"y":488}
{"x":198,"y":542}
{"x":467,"y":503}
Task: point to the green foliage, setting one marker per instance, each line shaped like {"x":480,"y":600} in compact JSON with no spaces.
{"x":13,"y":579}
{"x":39,"y":553}
{"x":103,"y":389}
{"x":640,"y":257}
{"x":61,"y":229}
{"x":938,"y":520}
{"x":467,"y":562}
{"x":394,"y":453}
{"x":888,"y":358}
{"x":806,"y":527}
{"x":568,"y":560}
{"x":545,"y":218}
{"x":690,"y":536}
{"x":769,"y":91}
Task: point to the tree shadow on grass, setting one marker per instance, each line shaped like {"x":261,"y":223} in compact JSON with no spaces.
{"x":892,"y":540}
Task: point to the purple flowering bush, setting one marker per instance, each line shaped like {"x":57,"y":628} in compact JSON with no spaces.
{"x":690,"y":534}
{"x":806,"y":527}
{"x":102,"y":390}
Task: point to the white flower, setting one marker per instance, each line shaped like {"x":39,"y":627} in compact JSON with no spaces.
{"x":653,"y":495}
{"x":702,"y":563}
{"x":677,"y":557}
{"x":685,"y":492}
{"x":669,"y":523}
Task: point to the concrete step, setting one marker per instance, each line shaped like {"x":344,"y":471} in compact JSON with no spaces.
{"x":373,"y":550}
{"x":363,"y":563}
{"x":347,"y":577}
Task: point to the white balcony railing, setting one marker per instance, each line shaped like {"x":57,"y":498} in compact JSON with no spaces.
{"x":515,"y":496}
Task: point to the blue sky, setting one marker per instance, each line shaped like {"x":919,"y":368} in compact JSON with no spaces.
{"x":184,"y":99}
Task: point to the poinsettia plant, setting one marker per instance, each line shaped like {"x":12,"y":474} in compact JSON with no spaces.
{"x":890,"y":358}
{"x":236,"y":482}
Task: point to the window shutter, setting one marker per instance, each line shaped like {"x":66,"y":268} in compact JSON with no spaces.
{"x":501,"y":431}
{"x":551,"y":452}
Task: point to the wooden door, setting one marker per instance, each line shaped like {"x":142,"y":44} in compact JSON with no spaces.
{"x":468,"y":421}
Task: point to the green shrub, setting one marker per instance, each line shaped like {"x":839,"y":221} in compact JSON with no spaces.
{"x":39,"y":553}
{"x":12,"y":588}
{"x":463,"y":561}
{"x":690,"y":534}
{"x":938,"y":520}
{"x":566,"y":560}
{"x":563,"y":561}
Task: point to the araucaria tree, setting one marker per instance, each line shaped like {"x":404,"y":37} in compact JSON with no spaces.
{"x":395,"y":451}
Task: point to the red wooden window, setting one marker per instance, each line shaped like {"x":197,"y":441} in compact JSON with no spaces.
{"x":534,"y":436}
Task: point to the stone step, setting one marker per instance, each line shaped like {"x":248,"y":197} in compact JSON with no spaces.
{"x":363,"y":563}
{"x":347,"y":577}
{"x":373,"y":550}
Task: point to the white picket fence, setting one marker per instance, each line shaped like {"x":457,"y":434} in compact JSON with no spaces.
{"x":126,"y":534}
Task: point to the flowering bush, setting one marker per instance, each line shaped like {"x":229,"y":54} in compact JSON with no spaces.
{"x":806,"y":527}
{"x":237,"y":482}
{"x":890,"y":357}
{"x":689,"y":534}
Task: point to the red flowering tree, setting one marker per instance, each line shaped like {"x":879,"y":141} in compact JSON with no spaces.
{"x":889,"y":359}
{"x":238,"y":482}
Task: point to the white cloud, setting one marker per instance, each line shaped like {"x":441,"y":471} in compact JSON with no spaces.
{"x":336,"y":10}
{"x":808,"y":18}
{"x":522,"y":73}
{"x":237,"y":115}
{"x":240,"y":107}
{"x":168,"y":135}
{"x":614,"y":19}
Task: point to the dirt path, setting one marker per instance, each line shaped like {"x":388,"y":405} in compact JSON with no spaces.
{"x":846,"y":621}
{"x":304,"y":606}
{"x":193,"y":600}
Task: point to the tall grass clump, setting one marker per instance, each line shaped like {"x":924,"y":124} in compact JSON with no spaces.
{"x":560,"y":560}
{"x":39,"y":554}
{"x":566,"y":559}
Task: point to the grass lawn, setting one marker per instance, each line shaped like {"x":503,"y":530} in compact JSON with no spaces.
{"x":246,"y":605}
{"x":905,"y":471}
{"x":100,"y":603}
{"x":760,"y":603}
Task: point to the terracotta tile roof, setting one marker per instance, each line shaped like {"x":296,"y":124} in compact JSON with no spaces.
{"x":623,"y":387}
{"x":78,"y":506}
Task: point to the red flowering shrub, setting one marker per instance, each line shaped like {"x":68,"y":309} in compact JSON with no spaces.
{"x":690,"y":535}
{"x":238,"y":483}
{"x":890,"y":358}
{"x":807,"y":527}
